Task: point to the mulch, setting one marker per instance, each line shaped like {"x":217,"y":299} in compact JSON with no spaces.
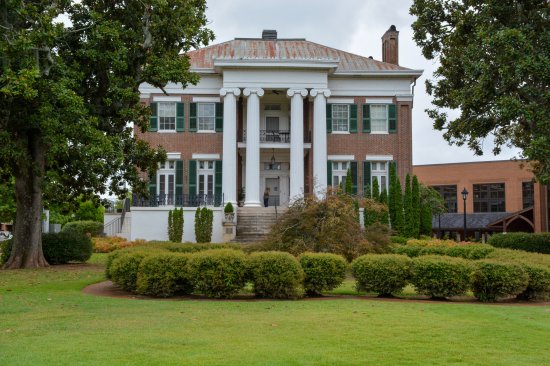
{"x":109,"y":289}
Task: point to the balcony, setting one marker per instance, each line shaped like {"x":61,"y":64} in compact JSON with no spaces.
{"x":276,"y":136}
{"x":186,"y":200}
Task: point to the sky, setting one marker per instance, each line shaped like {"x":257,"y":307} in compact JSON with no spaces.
{"x":354,"y":26}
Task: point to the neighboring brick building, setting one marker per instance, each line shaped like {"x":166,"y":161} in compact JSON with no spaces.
{"x":502,"y":196}
{"x":233,"y":129}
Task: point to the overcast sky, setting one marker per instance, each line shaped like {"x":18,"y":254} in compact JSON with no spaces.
{"x":354,"y":26}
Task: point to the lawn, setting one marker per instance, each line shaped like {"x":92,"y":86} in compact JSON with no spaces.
{"x":46,"y":320}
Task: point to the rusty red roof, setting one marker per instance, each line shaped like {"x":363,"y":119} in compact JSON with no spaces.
{"x":285,"y":49}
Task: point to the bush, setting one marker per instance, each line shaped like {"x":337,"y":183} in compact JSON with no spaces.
{"x":520,"y":255}
{"x":175,"y":225}
{"x":440,"y":276}
{"x":322,"y":271}
{"x":492,"y":280}
{"x":276,"y":275}
{"x":431,"y":242}
{"x":218,"y":273}
{"x":203,"y":225}
{"x":228,"y":208}
{"x":466,"y":251}
{"x":398,"y":240}
{"x":163,"y":274}
{"x":537,"y":242}
{"x":378,"y":236}
{"x":108,"y":244}
{"x":123,"y":268}
{"x":64,"y":247}
{"x":385,"y":274}
{"x":92,"y":228}
{"x":374,"y":212}
{"x":5,"y":250}
{"x":192,"y":248}
{"x":538,"y":287}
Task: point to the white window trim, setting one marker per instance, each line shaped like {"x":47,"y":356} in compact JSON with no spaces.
{"x":175,"y":117}
{"x":332,"y":119}
{"x":345,"y":158}
{"x":379,"y":158}
{"x":198,"y":117}
{"x":379,"y":101}
{"x":206,"y":99}
{"x":206,"y":156}
{"x":387,"y":131}
{"x":341,"y":132}
{"x":173,"y":156}
{"x":340,"y":101}
{"x":379,"y":133}
{"x":206,"y":131}
{"x":166,"y":99}
{"x":166,"y":131}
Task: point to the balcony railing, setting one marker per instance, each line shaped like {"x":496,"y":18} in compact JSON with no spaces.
{"x":186,"y":200}
{"x":277,"y":136}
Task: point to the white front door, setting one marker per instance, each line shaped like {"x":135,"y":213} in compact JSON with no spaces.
{"x":274,"y":193}
{"x":206,"y":179}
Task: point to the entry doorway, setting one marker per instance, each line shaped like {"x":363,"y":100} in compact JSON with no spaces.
{"x":274,"y":192}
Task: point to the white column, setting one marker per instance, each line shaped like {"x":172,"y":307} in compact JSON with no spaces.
{"x":320,"y":140}
{"x":252,"y":188}
{"x":296,"y":143}
{"x":229,"y":162}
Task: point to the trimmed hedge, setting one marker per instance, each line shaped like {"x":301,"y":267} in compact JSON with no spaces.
{"x":530,"y":242}
{"x":466,"y":251}
{"x":538,"y":287}
{"x":92,"y":228}
{"x":64,"y":247}
{"x":219,"y":273}
{"x":193,"y":248}
{"x":441,"y":276}
{"x":163,"y":274}
{"x":276,"y":275}
{"x":384,"y":274}
{"x":322,"y":271}
{"x":492,"y":280}
{"x":123,"y":269}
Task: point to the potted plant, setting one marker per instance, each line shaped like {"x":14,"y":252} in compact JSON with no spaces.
{"x":229,"y":212}
{"x":241,"y":197}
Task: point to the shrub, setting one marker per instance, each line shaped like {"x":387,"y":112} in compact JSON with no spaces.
{"x":431,"y":242}
{"x":192,"y":248}
{"x":322,"y":271}
{"x":538,"y":287}
{"x":520,"y":255}
{"x":537,"y":242}
{"x":327,"y":225}
{"x":163,"y":274}
{"x":108,"y":244}
{"x":228,"y":208}
{"x":440,"y":276}
{"x":375,"y":212}
{"x":398,"y":240}
{"x":466,"y":251}
{"x":124,"y":266}
{"x":218,"y":273}
{"x":492,"y":280}
{"x":64,"y":247}
{"x":92,"y":228}
{"x":5,"y":250}
{"x":276,"y":275}
{"x":175,"y":225}
{"x":385,"y":274}
{"x":203,"y":225}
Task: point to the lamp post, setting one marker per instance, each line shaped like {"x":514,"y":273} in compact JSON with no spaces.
{"x":464,"y":197}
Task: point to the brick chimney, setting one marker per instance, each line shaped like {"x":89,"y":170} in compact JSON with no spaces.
{"x":390,"y":46}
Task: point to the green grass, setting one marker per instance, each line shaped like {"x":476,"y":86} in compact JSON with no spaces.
{"x":46,"y":320}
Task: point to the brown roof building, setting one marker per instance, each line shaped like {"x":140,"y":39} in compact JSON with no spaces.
{"x":502,"y":196}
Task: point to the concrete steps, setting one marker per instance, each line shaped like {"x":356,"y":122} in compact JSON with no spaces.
{"x":254,"y":223}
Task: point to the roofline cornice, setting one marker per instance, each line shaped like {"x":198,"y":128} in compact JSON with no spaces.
{"x":415,"y":73}
{"x":329,"y":64}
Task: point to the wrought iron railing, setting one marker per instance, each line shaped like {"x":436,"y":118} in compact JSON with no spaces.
{"x":115,"y":226}
{"x":277,"y":136}
{"x":186,"y":200}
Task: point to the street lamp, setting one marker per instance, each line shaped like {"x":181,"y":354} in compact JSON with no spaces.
{"x":464,"y":197}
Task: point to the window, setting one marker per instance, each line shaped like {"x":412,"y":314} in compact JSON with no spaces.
{"x":528,"y":194}
{"x":340,"y":117}
{"x":449,"y":195}
{"x":489,"y":197}
{"x":339,"y":173}
{"x":379,"y":171}
{"x":379,"y":118}
{"x":205,"y":179}
{"x":167,"y":116}
{"x":206,"y":113}
{"x":166,"y":182}
{"x":269,"y":166}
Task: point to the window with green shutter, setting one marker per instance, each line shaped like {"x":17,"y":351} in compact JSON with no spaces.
{"x":180,"y":117}
{"x":193,"y":117}
{"x":192,"y":178}
{"x":366,"y":118}
{"x":392,"y":118}
{"x":179,"y":182}
{"x":329,"y":173}
{"x":329,"y":118}
{"x":153,"y":119}
{"x":218,"y":182}
{"x":219,"y":117}
{"x":353,"y":118}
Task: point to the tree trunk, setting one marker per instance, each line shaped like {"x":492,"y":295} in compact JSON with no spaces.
{"x":27,"y":240}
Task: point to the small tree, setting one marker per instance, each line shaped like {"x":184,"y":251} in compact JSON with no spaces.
{"x":374,"y":212}
{"x":408,"y":221}
{"x":415,"y":208}
{"x":203,"y":225}
{"x":175,"y":225}
{"x":375,"y":189}
{"x":89,"y":211}
{"x":398,"y":207}
{"x":431,"y":203}
{"x":383,"y":199}
{"x":348,"y":189}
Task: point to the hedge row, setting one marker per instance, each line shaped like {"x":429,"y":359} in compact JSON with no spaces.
{"x":90,"y":228}
{"x":58,"y":248}
{"x":466,"y":251}
{"x":443,"y":276}
{"x":529,"y":242}
{"x":223,"y":273}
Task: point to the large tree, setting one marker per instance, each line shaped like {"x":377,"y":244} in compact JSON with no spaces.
{"x":69,"y":94}
{"x":494,"y":64}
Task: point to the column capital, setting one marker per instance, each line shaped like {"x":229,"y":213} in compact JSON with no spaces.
{"x":258,"y":91}
{"x":315,"y":92}
{"x":292,"y":92}
{"x":235,"y":91}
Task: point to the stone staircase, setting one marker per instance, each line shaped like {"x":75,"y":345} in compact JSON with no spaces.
{"x":253,"y":223}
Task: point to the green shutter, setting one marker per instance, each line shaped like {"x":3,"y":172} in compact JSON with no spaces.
{"x":219,"y":117}
{"x":329,"y":173}
{"x":193,"y":117}
{"x":179,"y":182}
{"x":329,"y":118}
{"x":192,"y":178}
{"x":353,"y":118}
{"x":218,"y":182}
{"x":180,"y":117}
{"x":152,"y":185}
{"x":366,"y":118}
{"x":353,"y":165}
{"x":366,"y":177}
{"x":153,"y":119}
{"x":392,"y":118}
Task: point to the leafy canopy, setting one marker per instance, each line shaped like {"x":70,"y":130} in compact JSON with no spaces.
{"x":495,"y":68}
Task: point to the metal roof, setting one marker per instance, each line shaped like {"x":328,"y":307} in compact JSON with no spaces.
{"x":455,"y":221}
{"x":286,"y":50}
